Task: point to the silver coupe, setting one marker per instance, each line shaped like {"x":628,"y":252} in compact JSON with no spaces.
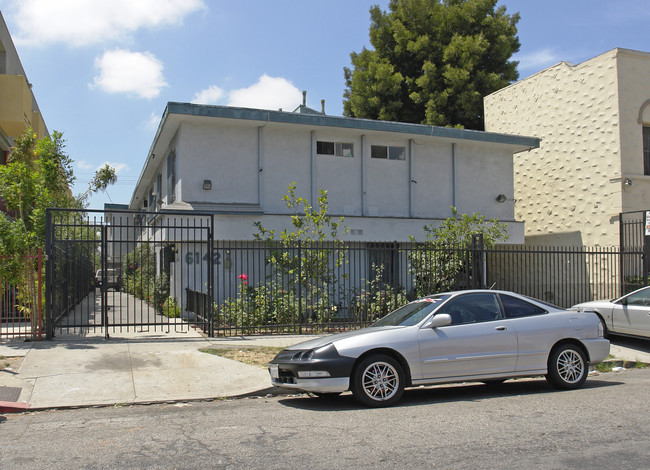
{"x":477,"y":335}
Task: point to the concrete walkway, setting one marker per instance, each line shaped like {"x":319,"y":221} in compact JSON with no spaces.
{"x":152,"y":367}
{"x":131,"y":368}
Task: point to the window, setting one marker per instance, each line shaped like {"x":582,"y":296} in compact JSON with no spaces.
{"x":646,"y":150}
{"x":472,"y":308}
{"x":171,"y":177}
{"x":390,"y":153}
{"x":638,"y":298}
{"x":519,"y":308}
{"x":340,"y":149}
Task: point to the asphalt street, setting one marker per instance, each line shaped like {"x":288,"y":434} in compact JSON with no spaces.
{"x":520,"y":424}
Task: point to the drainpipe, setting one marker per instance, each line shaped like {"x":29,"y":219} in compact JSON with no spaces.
{"x":411,"y":181}
{"x":364,"y":211}
{"x":313,"y":164}
{"x":260,"y":164}
{"x":453,"y":176}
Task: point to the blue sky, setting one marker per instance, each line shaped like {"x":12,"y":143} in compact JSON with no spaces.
{"x":102,"y":71}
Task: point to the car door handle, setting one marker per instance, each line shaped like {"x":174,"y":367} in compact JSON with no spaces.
{"x":501,"y":328}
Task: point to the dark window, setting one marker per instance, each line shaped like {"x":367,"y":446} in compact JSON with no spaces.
{"x":472,"y":308}
{"x":391,"y":153}
{"x":519,"y":308}
{"x":171,"y":177}
{"x":379,"y":151}
{"x":646,"y":150}
{"x":340,"y":149}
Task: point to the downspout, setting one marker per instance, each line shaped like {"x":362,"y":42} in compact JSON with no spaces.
{"x":453,"y":176}
{"x":364,"y":209}
{"x":411,"y":181}
{"x":260,"y":164}
{"x":313,"y":168}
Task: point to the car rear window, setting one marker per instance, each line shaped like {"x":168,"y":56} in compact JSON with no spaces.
{"x":516,"y":307}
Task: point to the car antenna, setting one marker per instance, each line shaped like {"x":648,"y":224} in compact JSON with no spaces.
{"x":492,"y":286}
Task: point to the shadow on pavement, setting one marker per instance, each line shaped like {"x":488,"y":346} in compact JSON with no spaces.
{"x":440,"y":394}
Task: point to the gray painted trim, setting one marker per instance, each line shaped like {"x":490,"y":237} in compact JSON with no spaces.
{"x":227,"y":112}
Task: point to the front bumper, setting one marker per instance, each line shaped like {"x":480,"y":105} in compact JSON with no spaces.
{"x":289,"y":370}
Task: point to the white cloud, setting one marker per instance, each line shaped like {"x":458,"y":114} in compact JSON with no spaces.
{"x":79,"y":22}
{"x":537,"y":60}
{"x":153,"y":121}
{"x":210,"y":95}
{"x":84,"y":165}
{"x":267,"y":93}
{"x":118,"y":167}
{"x":136,"y":73}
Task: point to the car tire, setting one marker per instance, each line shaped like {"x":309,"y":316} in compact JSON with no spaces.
{"x":567,"y":367}
{"x":378,"y":380}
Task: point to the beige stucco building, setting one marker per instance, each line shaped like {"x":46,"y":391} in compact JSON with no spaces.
{"x":593,"y":119}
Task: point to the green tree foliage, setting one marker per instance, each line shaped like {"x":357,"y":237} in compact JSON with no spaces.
{"x":38,"y":175}
{"x":441,"y":262}
{"x":433,"y":62}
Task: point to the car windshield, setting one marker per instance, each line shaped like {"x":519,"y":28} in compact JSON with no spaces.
{"x":411,"y":314}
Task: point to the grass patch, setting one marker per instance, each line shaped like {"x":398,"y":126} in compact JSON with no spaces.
{"x":605,"y":366}
{"x":258,"y":356}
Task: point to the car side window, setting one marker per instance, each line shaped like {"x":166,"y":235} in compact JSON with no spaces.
{"x":472,"y":308}
{"x":639,"y":298}
{"x":516,"y":307}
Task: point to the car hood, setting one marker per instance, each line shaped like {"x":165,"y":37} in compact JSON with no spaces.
{"x":593,"y":304}
{"x":325,"y":340}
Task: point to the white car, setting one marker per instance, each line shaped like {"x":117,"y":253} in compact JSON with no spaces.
{"x":628,"y":315}
{"x":477,"y":335}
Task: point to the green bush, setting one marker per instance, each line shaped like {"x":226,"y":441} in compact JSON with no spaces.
{"x":170,"y":308}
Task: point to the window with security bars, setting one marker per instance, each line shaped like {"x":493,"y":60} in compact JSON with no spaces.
{"x":340,"y":149}
{"x":646,"y":150}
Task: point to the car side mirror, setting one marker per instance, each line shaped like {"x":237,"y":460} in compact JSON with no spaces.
{"x":442,"y":319}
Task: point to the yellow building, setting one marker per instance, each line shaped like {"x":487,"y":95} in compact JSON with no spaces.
{"x":18,"y":107}
{"x":593,"y":162}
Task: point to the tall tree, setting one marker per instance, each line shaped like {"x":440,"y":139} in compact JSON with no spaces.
{"x":433,"y":62}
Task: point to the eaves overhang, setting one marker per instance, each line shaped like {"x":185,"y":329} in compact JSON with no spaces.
{"x":175,"y":109}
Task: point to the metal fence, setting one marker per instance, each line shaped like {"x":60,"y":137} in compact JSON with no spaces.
{"x":21,"y":297}
{"x":306,"y":287}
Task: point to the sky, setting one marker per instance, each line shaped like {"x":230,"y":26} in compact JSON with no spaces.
{"x":104,"y":70}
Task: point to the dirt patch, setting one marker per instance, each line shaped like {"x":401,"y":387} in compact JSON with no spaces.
{"x":257,"y":356}
{"x":10,"y":364}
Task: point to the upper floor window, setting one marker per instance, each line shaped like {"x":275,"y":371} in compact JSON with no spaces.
{"x":646,"y":150}
{"x":390,"y":153}
{"x":171,"y":177}
{"x":341,"y":149}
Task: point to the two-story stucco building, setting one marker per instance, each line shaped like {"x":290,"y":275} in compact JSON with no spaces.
{"x":593,"y":120}
{"x":18,"y":108}
{"x":387,"y":179}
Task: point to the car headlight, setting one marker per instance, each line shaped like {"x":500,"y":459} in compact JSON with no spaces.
{"x":304,"y":355}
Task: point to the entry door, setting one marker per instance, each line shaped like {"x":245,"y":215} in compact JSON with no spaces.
{"x":479,"y":341}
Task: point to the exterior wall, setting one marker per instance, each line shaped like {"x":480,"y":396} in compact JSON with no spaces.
{"x":634,"y":92}
{"x":18,"y":107}
{"x":251,"y":161}
{"x":570,"y":188}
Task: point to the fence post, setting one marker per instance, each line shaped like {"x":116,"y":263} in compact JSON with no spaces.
{"x":211,"y":268}
{"x":49,"y":266}
{"x":300,"y":313}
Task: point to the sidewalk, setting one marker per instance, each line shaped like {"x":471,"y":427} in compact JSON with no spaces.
{"x":130,"y":368}
{"x":152,"y":367}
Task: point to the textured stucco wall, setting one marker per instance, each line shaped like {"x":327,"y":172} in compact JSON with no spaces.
{"x":570,"y":189}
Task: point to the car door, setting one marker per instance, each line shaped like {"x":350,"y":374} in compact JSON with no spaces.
{"x":631,"y":314}
{"x":479,"y":341}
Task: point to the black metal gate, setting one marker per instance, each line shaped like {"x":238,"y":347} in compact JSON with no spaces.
{"x":635,"y":250}
{"x":125,"y":271}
